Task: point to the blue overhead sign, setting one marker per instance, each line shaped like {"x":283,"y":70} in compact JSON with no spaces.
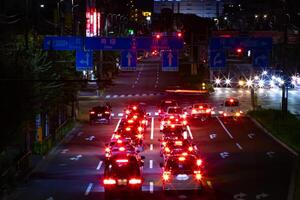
{"x":170,"y":61}
{"x":260,"y":59}
{"x":217,"y":43}
{"x":108,"y":43}
{"x":128,"y":60}
{"x":63,"y":43}
{"x":84,"y":60}
{"x":217,"y":59}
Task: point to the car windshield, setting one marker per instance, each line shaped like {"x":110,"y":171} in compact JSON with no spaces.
{"x":175,"y":111}
{"x":166,"y":104}
{"x":200,"y":106}
{"x":123,"y":169}
{"x":100,"y":109}
{"x":176,"y":166}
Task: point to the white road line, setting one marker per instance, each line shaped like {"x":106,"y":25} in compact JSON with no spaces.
{"x":152,"y":128}
{"x":150,"y":164}
{"x":118,"y":125}
{"x":190,"y":132}
{"x":151,"y":185}
{"x":151,"y":147}
{"x":239,"y":146}
{"x":226,"y":130}
{"x":99,"y":165}
{"x":88,"y":189}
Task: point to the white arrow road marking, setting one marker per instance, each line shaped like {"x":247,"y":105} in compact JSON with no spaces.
{"x":76,"y":158}
{"x":91,"y":138}
{"x":88,"y":189}
{"x":240,"y":196}
{"x":270,"y":154}
{"x":99,"y":165}
{"x":225,"y":128}
{"x":224,"y":154}
{"x":107,"y":96}
{"x":251,"y":135}
{"x":151,"y":187}
{"x":150,"y":164}
{"x":152,"y":128}
{"x":261,"y":196}
{"x":190,"y":132}
{"x":80,"y":133}
{"x":239,"y":146}
{"x":50,"y":198}
{"x":170,"y":56}
{"x":64,"y":151}
{"x":213,"y":136}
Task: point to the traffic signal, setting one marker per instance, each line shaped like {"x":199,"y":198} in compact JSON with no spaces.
{"x":239,"y":50}
{"x":179,"y":34}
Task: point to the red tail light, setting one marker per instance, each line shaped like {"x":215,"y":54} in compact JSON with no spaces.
{"x":166,"y":175}
{"x":107,"y":149}
{"x":178,"y":143}
{"x":159,"y":111}
{"x":199,"y":162}
{"x":134,"y":107}
{"x":194,"y":111}
{"x":122,"y":161}
{"x":200,"y":107}
{"x":122,"y":149}
{"x":119,"y":141}
{"x":191,"y":148}
{"x":184,"y":122}
{"x":167,"y":149}
{"x":181,"y":158}
{"x":117,"y":136}
{"x":130,"y":121}
{"x":127,"y":111}
{"x":184,"y":154}
{"x":92,"y":112}
{"x":231,"y":100}
{"x":172,"y":117}
{"x":135,"y":117}
{"x":109,"y":182}
{"x":140,"y":129}
{"x":135,"y":181}
{"x":140,"y":136}
{"x":128,"y":129}
{"x":198,"y":175}
{"x":106,"y":112}
{"x":208,"y":110}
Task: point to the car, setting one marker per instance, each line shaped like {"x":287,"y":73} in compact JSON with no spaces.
{"x":172,"y":121}
{"x":231,"y":108}
{"x":176,"y":112}
{"x":119,"y":146}
{"x":177,"y":147}
{"x":123,"y":172}
{"x":182,"y":173}
{"x":164,"y":105}
{"x":200,"y":110}
{"x":100,"y":114}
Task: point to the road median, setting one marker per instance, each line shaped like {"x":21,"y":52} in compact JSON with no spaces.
{"x":285,"y":129}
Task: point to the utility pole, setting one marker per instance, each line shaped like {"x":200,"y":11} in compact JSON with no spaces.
{"x":26,"y":23}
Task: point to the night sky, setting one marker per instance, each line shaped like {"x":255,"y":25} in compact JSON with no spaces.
{"x":145,"y":4}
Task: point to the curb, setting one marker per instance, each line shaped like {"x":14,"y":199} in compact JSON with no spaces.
{"x":274,"y":138}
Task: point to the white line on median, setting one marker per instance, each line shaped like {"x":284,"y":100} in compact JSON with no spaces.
{"x":99,"y":164}
{"x":239,"y":146}
{"x":190,"y":132}
{"x":152,"y":128}
{"x":151,"y":185}
{"x":225,"y":128}
{"x":150,"y":164}
{"x":151,"y":147}
{"x":88,"y":189}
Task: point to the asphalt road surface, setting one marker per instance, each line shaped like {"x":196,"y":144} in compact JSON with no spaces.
{"x":241,"y":161}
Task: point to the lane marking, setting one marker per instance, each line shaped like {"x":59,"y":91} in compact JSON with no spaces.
{"x":190,"y":132}
{"x":151,"y":147}
{"x":152,"y":128}
{"x":239,"y":146}
{"x":150,"y":164}
{"x":224,"y":128}
{"x":118,"y":124}
{"x":64,"y":151}
{"x":240,"y":196}
{"x":88,"y":189}
{"x":80,"y":133}
{"x":99,"y":165}
{"x":270,"y":154}
{"x":151,"y":185}
{"x":261,"y":196}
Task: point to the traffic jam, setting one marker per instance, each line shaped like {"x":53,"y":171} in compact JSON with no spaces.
{"x":182,"y":166}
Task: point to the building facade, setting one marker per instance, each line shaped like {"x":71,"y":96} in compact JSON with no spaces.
{"x":201,"y":8}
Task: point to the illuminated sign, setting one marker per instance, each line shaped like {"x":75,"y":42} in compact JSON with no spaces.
{"x":93,"y":22}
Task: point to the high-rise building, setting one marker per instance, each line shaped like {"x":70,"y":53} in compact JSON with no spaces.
{"x":201,"y":8}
